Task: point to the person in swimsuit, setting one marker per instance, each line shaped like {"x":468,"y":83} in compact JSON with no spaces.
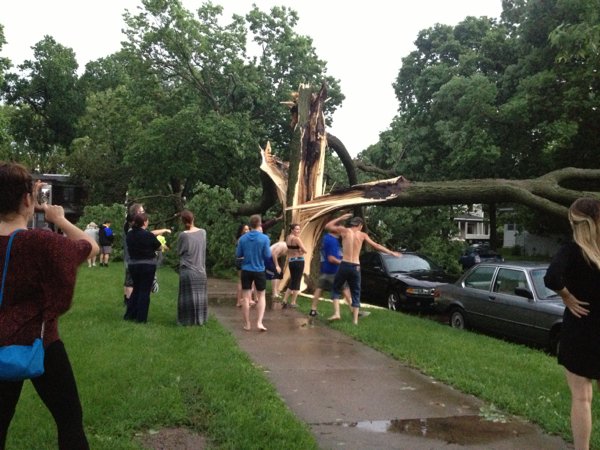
{"x":296,"y":251}
{"x":349,"y":270}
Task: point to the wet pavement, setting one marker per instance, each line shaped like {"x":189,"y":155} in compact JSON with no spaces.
{"x":354,"y":397}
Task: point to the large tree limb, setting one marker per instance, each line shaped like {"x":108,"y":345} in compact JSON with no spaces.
{"x":546,"y":193}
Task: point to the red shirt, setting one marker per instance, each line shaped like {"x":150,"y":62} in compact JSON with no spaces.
{"x":39,"y":283}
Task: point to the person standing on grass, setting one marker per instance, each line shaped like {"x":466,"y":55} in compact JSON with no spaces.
{"x":253,"y":247}
{"x":142,"y":246}
{"x":92,"y":230}
{"x":134,"y":208}
{"x":105,"y":239}
{"x":192,"y":302}
{"x":296,"y":252}
{"x":331,"y":258}
{"x":574,"y":274}
{"x":349,"y":270}
{"x":39,"y":286}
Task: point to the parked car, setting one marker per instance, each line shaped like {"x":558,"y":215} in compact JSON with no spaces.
{"x":405,"y":282}
{"x":476,"y":254}
{"x":506,"y":299}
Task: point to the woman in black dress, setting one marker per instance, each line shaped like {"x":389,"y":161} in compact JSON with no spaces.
{"x":575,"y":275}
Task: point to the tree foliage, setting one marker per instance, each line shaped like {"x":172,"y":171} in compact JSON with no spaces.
{"x":47,"y":103}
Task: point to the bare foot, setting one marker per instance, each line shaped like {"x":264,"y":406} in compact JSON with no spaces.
{"x":247,"y":327}
{"x":332,"y":318}
{"x":261,"y":327}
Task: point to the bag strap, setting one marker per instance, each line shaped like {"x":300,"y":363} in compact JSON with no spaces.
{"x":6,"y":259}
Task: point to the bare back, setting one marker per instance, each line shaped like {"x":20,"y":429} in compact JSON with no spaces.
{"x":352,"y":241}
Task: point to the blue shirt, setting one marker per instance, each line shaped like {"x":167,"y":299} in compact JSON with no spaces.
{"x":330,"y":247}
{"x":254,"y":247}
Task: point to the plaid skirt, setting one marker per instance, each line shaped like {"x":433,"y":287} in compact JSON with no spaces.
{"x":192,"y":304}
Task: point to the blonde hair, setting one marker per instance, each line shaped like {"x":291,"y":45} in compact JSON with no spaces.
{"x":584,"y":215}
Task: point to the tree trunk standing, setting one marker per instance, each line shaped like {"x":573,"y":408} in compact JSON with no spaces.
{"x":306,"y":170}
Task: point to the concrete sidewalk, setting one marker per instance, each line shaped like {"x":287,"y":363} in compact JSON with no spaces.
{"x":354,"y":397}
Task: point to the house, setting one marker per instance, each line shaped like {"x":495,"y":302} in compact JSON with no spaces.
{"x":472,"y":226}
{"x":531,"y":244}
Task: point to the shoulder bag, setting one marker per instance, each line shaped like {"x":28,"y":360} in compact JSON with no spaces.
{"x":20,"y":362}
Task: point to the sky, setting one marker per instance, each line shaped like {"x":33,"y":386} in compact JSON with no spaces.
{"x":363,"y":42}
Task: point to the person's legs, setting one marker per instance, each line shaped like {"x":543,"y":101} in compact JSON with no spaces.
{"x":9,"y":396}
{"x":260,"y":282}
{"x":142,"y":281}
{"x":260,"y":307}
{"x":58,"y":390}
{"x":581,"y":409}
{"x":246,"y":280}
{"x":353,"y":278}
{"x":275,"y":289}
{"x":315,"y":299}
{"x":338,"y":286}
{"x":296,"y":271}
{"x":127,"y":286}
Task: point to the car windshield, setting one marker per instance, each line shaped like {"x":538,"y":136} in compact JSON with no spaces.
{"x":408,"y":263}
{"x":537,"y":276}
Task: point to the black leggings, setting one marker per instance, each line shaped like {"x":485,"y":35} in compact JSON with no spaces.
{"x":58,"y":390}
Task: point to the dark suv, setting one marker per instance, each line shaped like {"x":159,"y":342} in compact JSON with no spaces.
{"x":478,"y":253}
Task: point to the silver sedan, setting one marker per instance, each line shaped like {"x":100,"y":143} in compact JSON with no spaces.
{"x":505,"y":299}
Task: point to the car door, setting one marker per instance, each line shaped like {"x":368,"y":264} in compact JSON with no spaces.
{"x":374,"y":279}
{"x":514,"y":315}
{"x":475,"y":295}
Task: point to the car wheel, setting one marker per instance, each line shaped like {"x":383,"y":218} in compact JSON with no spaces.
{"x":393,"y":301}
{"x":457,"y":318}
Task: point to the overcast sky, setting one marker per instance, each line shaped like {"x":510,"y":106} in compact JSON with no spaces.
{"x":363,"y":43}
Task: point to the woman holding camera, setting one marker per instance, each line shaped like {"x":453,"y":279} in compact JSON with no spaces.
{"x":39,"y":285}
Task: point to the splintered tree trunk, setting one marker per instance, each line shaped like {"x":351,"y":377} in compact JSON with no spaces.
{"x":303,"y":180}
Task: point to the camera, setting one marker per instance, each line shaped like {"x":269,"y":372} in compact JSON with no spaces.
{"x":44,"y":194}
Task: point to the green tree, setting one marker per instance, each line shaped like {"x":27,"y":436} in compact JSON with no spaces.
{"x":47,"y":103}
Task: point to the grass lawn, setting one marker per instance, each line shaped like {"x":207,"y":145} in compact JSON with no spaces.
{"x":136,"y":378}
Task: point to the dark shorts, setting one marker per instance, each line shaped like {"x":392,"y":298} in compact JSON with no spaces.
{"x":106,"y":249}
{"x":272,"y":274}
{"x":326,"y":281}
{"x":258,"y":278}
{"x":347,"y":273}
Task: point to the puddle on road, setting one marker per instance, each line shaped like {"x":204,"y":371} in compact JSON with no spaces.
{"x":462,"y":430}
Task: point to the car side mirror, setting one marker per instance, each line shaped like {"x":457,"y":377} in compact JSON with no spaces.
{"x":524,"y":292}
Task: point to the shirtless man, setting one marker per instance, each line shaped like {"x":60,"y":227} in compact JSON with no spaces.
{"x":349,"y":271}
